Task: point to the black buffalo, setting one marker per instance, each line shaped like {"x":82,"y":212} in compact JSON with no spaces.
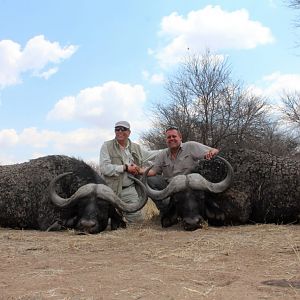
{"x":28,"y":197}
{"x":188,"y":198}
{"x":265,"y":189}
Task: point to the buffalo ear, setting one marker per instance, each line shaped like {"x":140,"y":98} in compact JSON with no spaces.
{"x":214,"y":213}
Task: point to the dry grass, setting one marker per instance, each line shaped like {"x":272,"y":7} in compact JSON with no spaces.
{"x":150,"y":211}
{"x":145,"y":261}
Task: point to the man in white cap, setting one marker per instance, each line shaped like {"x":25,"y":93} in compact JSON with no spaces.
{"x":121,"y":156}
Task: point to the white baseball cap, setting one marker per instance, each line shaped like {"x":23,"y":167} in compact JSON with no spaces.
{"x":123,"y":124}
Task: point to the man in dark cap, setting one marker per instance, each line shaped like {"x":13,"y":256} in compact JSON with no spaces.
{"x":121,"y":156}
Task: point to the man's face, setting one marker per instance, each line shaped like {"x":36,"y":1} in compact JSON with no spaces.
{"x":122,"y":133}
{"x":173,"y":139}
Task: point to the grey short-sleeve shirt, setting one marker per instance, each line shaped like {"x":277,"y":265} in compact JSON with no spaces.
{"x":187,"y":157}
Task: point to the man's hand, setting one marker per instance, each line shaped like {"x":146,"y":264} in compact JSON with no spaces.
{"x":211,"y":153}
{"x":133,"y":169}
{"x":151,"y":172}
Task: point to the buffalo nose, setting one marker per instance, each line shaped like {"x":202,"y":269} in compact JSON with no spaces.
{"x":192,"y":223}
{"x":87,"y":225}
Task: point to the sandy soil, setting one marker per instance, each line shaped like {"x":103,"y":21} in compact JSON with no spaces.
{"x":147,"y":262}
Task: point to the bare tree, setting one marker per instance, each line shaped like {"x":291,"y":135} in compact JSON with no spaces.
{"x":208,"y":106}
{"x":294,"y":4}
{"x":291,"y":107}
{"x":277,"y":140}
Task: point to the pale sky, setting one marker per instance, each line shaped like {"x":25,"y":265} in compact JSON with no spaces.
{"x":70,"y":69}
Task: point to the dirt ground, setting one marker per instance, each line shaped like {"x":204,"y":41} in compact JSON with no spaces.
{"x":148,"y":262}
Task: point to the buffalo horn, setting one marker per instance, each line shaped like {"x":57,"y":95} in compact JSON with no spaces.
{"x":198,"y":182}
{"x":83,"y":191}
{"x":194,"y":181}
{"x":101,"y":191}
{"x":177,"y":184}
{"x":107,"y":194}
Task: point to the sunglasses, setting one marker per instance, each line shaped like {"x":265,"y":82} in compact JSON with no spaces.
{"x":121,"y":128}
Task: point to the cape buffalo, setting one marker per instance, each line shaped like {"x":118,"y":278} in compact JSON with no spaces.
{"x":265,"y":189}
{"x":186,"y":197}
{"x":28,"y":197}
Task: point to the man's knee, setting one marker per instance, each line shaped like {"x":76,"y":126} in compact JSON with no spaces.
{"x":134,"y":217}
{"x":130,"y":196}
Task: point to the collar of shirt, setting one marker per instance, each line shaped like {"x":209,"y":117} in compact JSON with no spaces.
{"x":178,"y":151}
{"x":125,"y":152}
{"x":120,"y":146}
